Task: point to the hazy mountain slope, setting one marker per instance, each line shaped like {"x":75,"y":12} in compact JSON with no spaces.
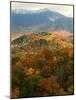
{"x":42,"y":20}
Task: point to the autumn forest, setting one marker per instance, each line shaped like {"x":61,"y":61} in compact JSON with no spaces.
{"x":42,"y":65}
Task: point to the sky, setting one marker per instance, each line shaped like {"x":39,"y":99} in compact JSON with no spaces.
{"x":63,"y":9}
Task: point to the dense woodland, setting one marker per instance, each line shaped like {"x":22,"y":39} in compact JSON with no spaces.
{"x":42,"y":67}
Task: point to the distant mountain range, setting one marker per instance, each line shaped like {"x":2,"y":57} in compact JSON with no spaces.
{"x":44,"y":20}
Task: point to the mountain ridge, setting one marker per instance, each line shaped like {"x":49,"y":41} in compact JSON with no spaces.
{"x":52,"y":40}
{"x":44,"y":20}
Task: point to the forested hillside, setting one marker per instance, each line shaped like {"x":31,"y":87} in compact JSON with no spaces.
{"x":42,"y":65}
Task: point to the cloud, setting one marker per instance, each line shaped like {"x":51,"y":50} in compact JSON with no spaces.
{"x":66,"y":10}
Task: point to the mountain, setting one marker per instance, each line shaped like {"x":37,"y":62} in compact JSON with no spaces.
{"x":39,"y":41}
{"x":42,"y":20}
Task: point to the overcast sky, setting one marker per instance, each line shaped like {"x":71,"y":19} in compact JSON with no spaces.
{"x":63,"y":9}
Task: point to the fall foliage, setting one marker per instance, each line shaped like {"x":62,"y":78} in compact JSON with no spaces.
{"x":45,"y":72}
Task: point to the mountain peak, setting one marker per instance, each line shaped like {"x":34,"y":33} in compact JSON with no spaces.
{"x":39,"y":21}
{"x":22,"y":11}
